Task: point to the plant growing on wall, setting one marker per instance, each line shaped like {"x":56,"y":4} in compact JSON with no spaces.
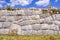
{"x":9,"y":7}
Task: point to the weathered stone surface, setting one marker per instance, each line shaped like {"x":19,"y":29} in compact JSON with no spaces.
{"x":4,"y":31}
{"x":24,"y":18}
{"x":49,"y":22}
{"x":34,"y":17}
{"x":20,"y":12}
{"x":1,"y":24}
{"x":49,"y":18}
{"x":10,"y":18}
{"x":15,"y":26}
{"x":2,"y":18}
{"x":44,"y":26}
{"x":43,"y":15}
{"x":51,"y":27}
{"x":29,"y":22}
{"x":57,"y":22}
{"x":26,"y":32}
{"x":57,"y":17}
{"x":59,"y":32}
{"x":6,"y":24}
{"x":34,"y":21}
{"x":12,"y":13}
{"x":45,"y":32}
{"x":56,"y":32}
{"x":36,"y":27}
{"x":27,"y":27}
{"x":19,"y":30}
{"x":24,"y":23}
{"x":34,"y":32}
{"x":18,"y":18}
{"x":29,"y":13}
{"x":54,"y":27}
{"x":42,"y":21}
{"x":37,"y":12}
{"x":5,"y":13}
{"x":50,"y":32}
{"x":15,"y":29}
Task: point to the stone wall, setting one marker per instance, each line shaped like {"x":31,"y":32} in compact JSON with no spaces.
{"x":24,"y":22}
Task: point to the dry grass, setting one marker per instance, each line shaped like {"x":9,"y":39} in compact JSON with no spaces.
{"x":32,"y":37}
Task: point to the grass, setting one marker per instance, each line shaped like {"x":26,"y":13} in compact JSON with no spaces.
{"x":31,"y":37}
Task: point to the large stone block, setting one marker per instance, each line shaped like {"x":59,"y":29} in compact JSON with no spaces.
{"x":59,"y":32}
{"x":1,"y":24}
{"x":20,"y":12}
{"x":46,"y":32}
{"x":4,"y":31}
{"x":26,"y":32}
{"x":34,"y":22}
{"x":54,"y":27}
{"x":10,"y":18}
{"x":49,"y":18}
{"x":57,"y":23}
{"x":28,"y":12}
{"x":27,"y":27}
{"x":44,"y":26}
{"x":50,"y":27}
{"x":57,"y":17}
{"x":56,"y":32}
{"x":43,"y":15}
{"x":18,"y":18}
{"x":15,"y":29}
{"x":9,"y":13}
{"x":50,"y":32}
{"x":49,"y":22}
{"x":5,"y":13}
{"x":2,"y":18}
{"x":19,"y":30}
{"x":39,"y":32}
{"x":14,"y":26}
{"x":36,"y":26}
{"x":34,"y":17}
{"x":24,"y":18}
{"x":24,"y":23}
{"x":42,"y":21}
{"x":6,"y":24}
{"x":34,"y":32}
{"x":38,"y":12}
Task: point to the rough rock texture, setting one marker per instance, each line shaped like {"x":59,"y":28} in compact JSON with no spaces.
{"x":22,"y":22}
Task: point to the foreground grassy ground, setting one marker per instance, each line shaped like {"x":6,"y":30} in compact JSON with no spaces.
{"x":32,"y":37}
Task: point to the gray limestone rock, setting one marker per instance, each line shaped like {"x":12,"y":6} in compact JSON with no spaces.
{"x":57,"y":17}
{"x":50,"y":32}
{"x":24,"y":23}
{"x":43,"y":15}
{"x":26,"y":32}
{"x":54,"y":27}
{"x":6,"y":24}
{"x":44,"y":26}
{"x":27,"y":27}
{"x":15,"y":26}
{"x":29,"y":13}
{"x":2,"y":18}
{"x":1,"y":24}
{"x":4,"y":31}
{"x":10,"y":18}
{"x":34,"y":17}
{"x":36,"y":26}
{"x":34,"y":32}
{"x":46,"y":32}
{"x":34,"y":22}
